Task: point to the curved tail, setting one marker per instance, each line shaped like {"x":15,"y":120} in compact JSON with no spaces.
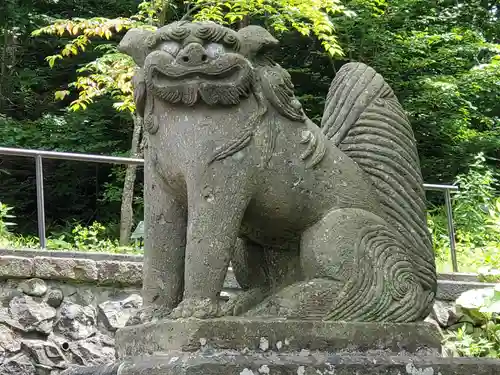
{"x":365,"y":120}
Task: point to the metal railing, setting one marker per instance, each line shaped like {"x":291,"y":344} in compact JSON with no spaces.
{"x":447,"y":189}
{"x":39,"y":155}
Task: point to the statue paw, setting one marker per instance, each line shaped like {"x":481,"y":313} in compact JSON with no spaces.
{"x":244,"y":302}
{"x":149,"y":314}
{"x":201,"y":308}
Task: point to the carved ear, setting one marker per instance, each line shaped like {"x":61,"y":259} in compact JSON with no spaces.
{"x":255,"y":40}
{"x":134,"y":44}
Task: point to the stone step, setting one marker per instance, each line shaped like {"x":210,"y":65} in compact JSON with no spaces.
{"x":227,"y":363}
{"x":239,"y":346}
{"x":280,"y":335}
{"x":449,"y":290}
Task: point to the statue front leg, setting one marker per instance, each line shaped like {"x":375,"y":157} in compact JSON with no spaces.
{"x":216,"y":209}
{"x":165,"y":220}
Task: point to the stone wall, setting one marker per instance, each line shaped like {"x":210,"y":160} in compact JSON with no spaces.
{"x":61,"y":308}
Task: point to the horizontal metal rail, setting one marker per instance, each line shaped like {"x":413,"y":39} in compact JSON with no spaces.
{"x":440,"y":187}
{"x":39,"y":155}
{"x":70,"y":156}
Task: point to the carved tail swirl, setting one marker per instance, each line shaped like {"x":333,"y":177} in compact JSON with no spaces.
{"x":365,"y":120}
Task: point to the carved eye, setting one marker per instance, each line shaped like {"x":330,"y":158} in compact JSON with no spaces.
{"x":215,"y":50}
{"x":169,"y":47}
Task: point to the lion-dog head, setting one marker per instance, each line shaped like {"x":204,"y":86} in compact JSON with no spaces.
{"x":184,"y":62}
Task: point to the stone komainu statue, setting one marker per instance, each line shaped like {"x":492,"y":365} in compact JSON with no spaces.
{"x":318,"y":222}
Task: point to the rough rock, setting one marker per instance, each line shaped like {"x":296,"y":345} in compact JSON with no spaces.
{"x":55,"y":297}
{"x":9,"y":341}
{"x":13,"y":266}
{"x":75,"y":321}
{"x":65,"y":269}
{"x":18,"y":365}
{"x":90,"y":353}
{"x":444,"y":313}
{"x":33,"y":287}
{"x":118,"y":272}
{"x":45,"y":353}
{"x":117,"y":313}
{"x":100,"y":338}
{"x":29,"y":315}
{"x":82,"y":296}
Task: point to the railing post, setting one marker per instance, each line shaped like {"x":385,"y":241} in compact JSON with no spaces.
{"x":40,"y":203}
{"x":451,"y":229}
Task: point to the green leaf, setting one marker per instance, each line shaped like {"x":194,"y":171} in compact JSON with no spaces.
{"x":60,"y":95}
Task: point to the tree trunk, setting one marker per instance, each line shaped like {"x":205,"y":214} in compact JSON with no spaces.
{"x":164,"y":13}
{"x":244,"y":22}
{"x":3,"y":67}
{"x":127,"y":210}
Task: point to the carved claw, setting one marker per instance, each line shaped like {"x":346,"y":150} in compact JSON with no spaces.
{"x":149,"y":314}
{"x":201,"y":308}
{"x":244,"y":302}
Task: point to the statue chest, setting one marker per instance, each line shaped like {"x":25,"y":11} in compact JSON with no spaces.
{"x":190,"y":136}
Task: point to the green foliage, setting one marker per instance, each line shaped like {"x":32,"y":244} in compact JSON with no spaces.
{"x":489,"y":274}
{"x":479,"y":331}
{"x":476,"y":213}
{"x":441,"y":58}
{"x":311,"y":17}
{"x":93,"y":238}
{"x":5,"y":223}
{"x":110,"y":74}
{"x":475,"y":205}
{"x":72,"y":189}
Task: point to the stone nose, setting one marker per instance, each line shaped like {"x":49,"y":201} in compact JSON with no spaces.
{"x":191,"y":55}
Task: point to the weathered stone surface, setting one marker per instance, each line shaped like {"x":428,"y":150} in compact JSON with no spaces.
{"x":91,"y":353}
{"x":45,"y":353}
{"x":263,"y":335}
{"x":33,"y":287}
{"x":28,"y":315}
{"x":65,"y":269}
{"x":9,"y":340}
{"x":55,"y":297}
{"x":83,"y":296}
{"x":109,"y":369}
{"x":450,"y":290}
{"x":13,"y":266}
{"x":458,"y":276}
{"x":444,"y":313}
{"x":231,"y":363}
{"x":18,"y":365}
{"x":116,"y":272}
{"x":20,"y":360}
{"x":117,"y":313}
{"x":97,"y":256}
{"x":309,"y":204}
{"x":75,"y":321}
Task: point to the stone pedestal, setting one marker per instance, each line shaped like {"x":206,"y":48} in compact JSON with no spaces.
{"x":282,"y":347}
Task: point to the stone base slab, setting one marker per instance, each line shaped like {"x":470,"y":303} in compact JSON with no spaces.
{"x":262,"y":335}
{"x":239,"y":346}
{"x":227,"y":363}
